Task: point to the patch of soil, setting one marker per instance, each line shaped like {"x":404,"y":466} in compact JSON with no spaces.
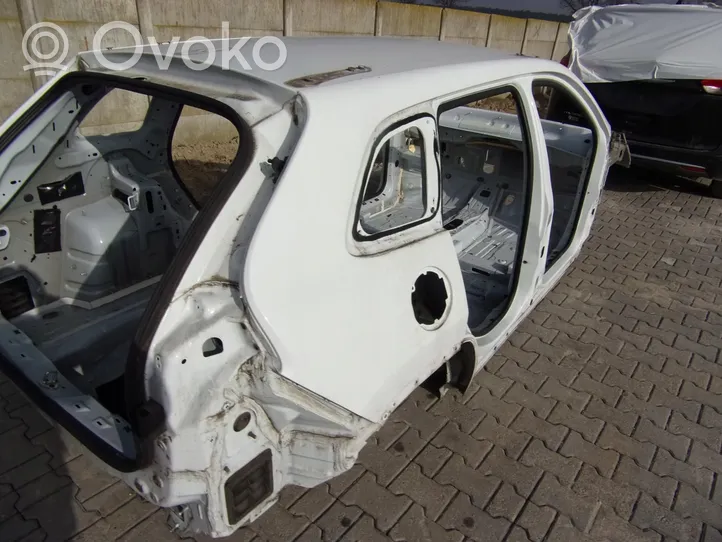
{"x":503,"y":104}
{"x":200,"y":166}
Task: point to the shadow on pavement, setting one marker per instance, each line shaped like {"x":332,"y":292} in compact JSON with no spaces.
{"x":642,"y":180}
{"x":38,"y":499}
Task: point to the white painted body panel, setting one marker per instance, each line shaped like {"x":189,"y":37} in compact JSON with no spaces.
{"x":320,"y":338}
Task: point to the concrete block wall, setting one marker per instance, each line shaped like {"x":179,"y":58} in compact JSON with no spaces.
{"x":466,"y":27}
{"x":80,"y":19}
{"x":15,"y":84}
{"x":329,"y":17}
{"x":540,"y":38}
{"x":408,"y":20}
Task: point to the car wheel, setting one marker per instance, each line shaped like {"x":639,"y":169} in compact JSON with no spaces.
{"x":716,"y":188}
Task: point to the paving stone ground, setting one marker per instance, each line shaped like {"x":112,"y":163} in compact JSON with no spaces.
{"x":600,"y":419}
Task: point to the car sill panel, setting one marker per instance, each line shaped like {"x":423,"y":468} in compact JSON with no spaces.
{"x":665,"y":161}
{"x":105,"y":434}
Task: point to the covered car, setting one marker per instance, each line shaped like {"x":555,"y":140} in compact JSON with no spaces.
{"x":656,"y":71}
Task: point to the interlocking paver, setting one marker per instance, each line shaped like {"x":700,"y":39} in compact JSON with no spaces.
{"x":649,"y":515}
{"x":61,"y":515}
{"x":544,"y":366}
{"x":695,"y":393}
{"x":539,"y":405}
{"x":658,"y":414}
{"x":608,"y":394}
{"x":678,"y":445}
{"x":27,"y":472}
{"x":696,"y":476}
{"x":417,"y":417}
{"x":512,"y":371}
{"x":119,"y":522}
{"x":479,"y":487}
{"x":511,"y":441}
{"x":36,"y":490}
{"x":21,"y":450}
{"x":617,"y":496}
{"x":506,"y":503}
{"x":364,"y":530}
{"x":313,"y":503}
{"x":385,"y":464}
{"x":616,"y":379}
{"x":707,"y":352}
{"x":565,"y":531}
{"x":603,"y":460}
{"x":612,"y":439}
{"x":536,"y":520}
{"x":430,"y":494}
{"x":339,"y":484}
{"x":661,"y":351}
{"x":61,"y":445}
{"x":623,"y":421}
{"x":521,"y":476}
{"x":377,"y":501}
{"x":414,"y":526}
{"x":464,"y":517}
{"x":431,"y":459}
{"x":35,"y":423}
{"x":634,"y":355}
{"x":661,"y":488}
{"x":563,"y":415}
{"x":564,"y":468}
{"x":580,"y":509}
{"x":700,"y":364}
{"x":672,"y":368}
{"x":502,"y":411}
{"x":451,"y":407}
{"x":660,"y":380}
{"x":110,"y":499}
{"x":609,"y":526}
{"x":337,"y":519}
{"x":701,"y":456}
{"x":16,"y":528}
{"x":555,"y":390}
{"x":493,"y":384}
{"x":690,"y":503}
{"x":551,"y":434}
{"x":470,"y":449}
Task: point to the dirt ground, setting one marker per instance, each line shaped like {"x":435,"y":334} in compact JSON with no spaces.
{"x":201,"y":166}
{"x":506,"y":103}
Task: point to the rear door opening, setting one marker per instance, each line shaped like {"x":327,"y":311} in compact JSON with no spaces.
{"x":571,"y":142}
{"x":92,"y":215}
{"x":485,"y":166}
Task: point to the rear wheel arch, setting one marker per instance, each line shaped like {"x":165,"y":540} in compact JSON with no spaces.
{"x":455,"y":372}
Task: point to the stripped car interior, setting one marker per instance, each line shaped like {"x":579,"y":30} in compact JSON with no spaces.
{"x":93,"y":228}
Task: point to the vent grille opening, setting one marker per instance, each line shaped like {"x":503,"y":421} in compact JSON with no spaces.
{"x":15,"y":297}
{"x":248,"y":487}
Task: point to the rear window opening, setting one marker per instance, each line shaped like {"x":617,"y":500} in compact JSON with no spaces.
{"x":200,"y":165}
{"x":107,"y":191}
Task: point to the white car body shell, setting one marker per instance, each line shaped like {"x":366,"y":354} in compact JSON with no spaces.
{"x":320,"y":341}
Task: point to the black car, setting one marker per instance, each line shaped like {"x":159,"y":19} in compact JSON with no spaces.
{"x":674,"y":126}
